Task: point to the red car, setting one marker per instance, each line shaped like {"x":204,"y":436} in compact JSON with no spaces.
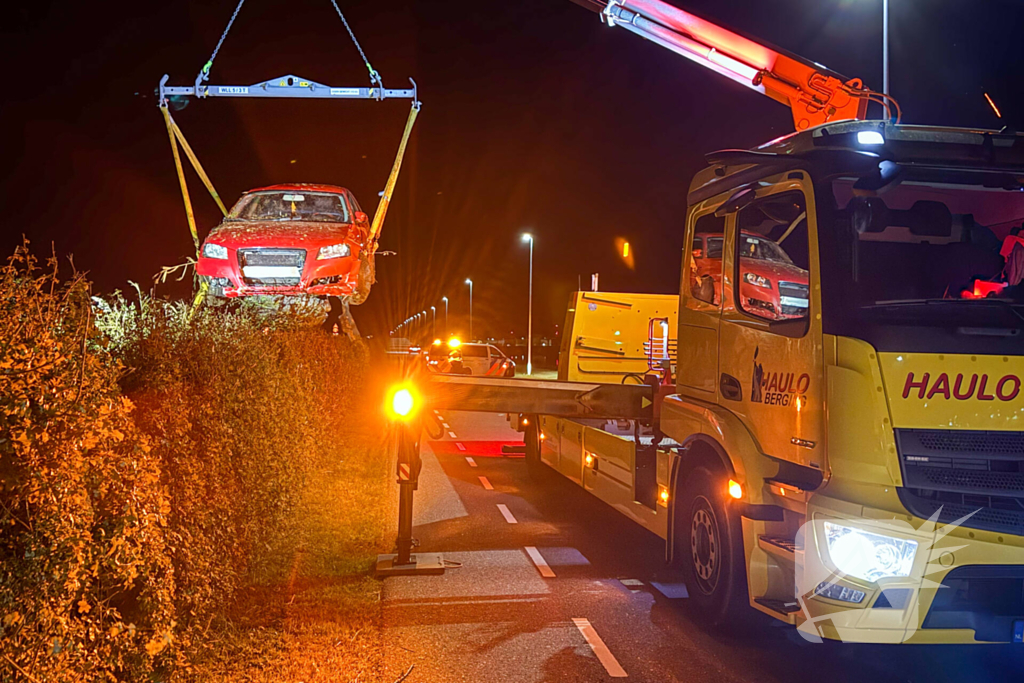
{"x":290,"y":240}
{"x":771,"y":286}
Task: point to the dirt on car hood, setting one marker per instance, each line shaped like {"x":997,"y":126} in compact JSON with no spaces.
{"x":283,"y":233}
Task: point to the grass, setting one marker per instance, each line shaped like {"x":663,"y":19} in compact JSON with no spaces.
{"x":316,"y":616}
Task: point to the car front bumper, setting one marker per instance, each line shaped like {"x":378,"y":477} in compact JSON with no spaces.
{"x":229,"y":278}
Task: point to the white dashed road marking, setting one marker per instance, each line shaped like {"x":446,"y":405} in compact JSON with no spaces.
{"x":452,"y":435}
{"x":471,"y":461}
{"x":509,"y":517}
{"x":604,"y":655}
{"x":461,"y":447}
{"x":446,"y":425}
{"x":486,"y":483}
{"x":542,"y":565}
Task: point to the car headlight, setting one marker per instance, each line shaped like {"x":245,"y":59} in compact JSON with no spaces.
{"x":757,"y":280}
{"x":211,"y":250}
{"x":867,"y":555}
{"x":334,"y":251}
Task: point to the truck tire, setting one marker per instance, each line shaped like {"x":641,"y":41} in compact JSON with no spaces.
{"x":709,"y":549}
{"x":531,"y":438}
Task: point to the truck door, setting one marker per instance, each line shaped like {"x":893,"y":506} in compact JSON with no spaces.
{"x":700,"y":303}
{"x":771,"y":360}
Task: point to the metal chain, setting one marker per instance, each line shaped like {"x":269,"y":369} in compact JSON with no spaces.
{"x":374,"y":76}
{"x":209,"y":64}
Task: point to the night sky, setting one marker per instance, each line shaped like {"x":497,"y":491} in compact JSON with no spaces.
{"x":535,"y":116}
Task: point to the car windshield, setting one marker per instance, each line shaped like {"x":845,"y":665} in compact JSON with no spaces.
{"x":946,"y":238}
{"x":760,"y":249}
{"x":323,"y":207}
{"x":715,"y":247}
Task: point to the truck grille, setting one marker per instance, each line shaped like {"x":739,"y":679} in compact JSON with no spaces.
{"x":790,"y":291}
{"x":267,"y":267}
{"x":964,"y":472}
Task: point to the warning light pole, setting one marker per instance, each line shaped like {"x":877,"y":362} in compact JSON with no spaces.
{"x":405,"y":412}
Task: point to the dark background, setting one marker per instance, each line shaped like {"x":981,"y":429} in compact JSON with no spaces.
{"x":536,"y":116}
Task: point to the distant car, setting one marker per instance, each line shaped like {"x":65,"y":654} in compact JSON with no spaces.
{"x":772,"y":286}
{"x":290,"y":240}
{"x":469,"y":359}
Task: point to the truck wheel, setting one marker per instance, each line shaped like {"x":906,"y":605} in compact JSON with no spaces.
{"x":709,"y":547}
{"x":531,"y":438}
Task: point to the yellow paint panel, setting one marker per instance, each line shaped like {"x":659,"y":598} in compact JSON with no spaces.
{"x":949,"y":391}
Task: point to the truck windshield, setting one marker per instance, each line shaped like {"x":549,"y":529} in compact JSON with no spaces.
{"x":934,"y":248}
{"x":323,"y":207}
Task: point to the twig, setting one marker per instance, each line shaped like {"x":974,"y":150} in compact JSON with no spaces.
{"x":406,"y":674}
{"x":36,"y":680}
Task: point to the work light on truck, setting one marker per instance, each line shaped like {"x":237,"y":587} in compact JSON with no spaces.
{"x":868,"y":556}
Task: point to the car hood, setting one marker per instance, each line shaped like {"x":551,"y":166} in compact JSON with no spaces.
{"x":239,"y":234}
{"x":776,"y":270}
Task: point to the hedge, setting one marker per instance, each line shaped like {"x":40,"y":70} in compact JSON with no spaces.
{"x":150,"y":461}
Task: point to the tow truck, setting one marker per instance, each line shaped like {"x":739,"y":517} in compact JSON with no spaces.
{"x":845,"y":454}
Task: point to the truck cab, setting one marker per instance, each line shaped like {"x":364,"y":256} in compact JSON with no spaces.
{"x":841,"y":431}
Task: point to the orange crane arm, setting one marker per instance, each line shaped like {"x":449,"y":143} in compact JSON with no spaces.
{"x":813,"y":93}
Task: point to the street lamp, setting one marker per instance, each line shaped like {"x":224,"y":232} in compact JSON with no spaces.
{"x":527,"y":237}
{"x":470,"y":283}
{"x":445,"y":300}
{"x":885,"y":46}
{"x":433,"y":322}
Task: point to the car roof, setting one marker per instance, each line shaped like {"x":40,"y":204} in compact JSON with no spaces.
{"x":302,"y":187}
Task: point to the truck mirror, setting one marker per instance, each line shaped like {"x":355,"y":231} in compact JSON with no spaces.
{"x":736,"y":202}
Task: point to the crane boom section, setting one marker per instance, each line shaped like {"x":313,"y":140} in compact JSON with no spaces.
{"x":814,"y":94}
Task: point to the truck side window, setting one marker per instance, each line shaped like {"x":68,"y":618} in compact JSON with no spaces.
{"x":773,"y":258}
{"x":706,"y":259}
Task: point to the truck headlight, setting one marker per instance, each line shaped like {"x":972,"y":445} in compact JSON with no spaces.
{"x":867,"y":555}
{"x":757,"y":280}
{"x":334,"y":251}
{"x":211,"y":250}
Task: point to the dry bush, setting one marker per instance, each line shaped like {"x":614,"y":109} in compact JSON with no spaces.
{"x":87,"y":586}
{"x":151,"y":464}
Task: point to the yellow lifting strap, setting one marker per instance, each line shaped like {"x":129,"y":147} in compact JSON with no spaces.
{"x":385,"y":198}
{"x":176,"y":136}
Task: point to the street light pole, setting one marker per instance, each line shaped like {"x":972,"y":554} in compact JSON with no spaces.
{"x":885,"y":46}
{"x":470,"y":283}
{"x":445,"y":300}
{"x":433,"y":323}
{"x":529,"y":319}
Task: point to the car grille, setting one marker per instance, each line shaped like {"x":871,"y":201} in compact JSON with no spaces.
{"x":963,"y":473}
{"x":264,"y":267}
{"x":793,"y":290}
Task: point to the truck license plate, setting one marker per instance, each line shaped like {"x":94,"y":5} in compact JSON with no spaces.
{"x":1018,"y":631}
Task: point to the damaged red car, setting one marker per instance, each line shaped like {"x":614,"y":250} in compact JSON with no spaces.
{"x":290,"y":240}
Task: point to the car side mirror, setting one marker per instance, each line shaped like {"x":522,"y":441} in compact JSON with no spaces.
{"x":362,"y":217}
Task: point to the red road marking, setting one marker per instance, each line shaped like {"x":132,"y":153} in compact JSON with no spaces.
{"x":480,"y":449}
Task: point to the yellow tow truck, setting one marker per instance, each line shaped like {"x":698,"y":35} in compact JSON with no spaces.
{"x":827,"y":424}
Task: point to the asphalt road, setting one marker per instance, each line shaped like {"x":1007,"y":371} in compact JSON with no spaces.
{"x":556,"y":586}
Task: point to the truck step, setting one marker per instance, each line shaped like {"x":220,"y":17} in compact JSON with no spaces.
{"x":779,"y":546}
{"x":780,"y":606}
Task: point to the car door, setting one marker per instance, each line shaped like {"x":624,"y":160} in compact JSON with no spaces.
{"x":474,"y":357}
{"x":771,"y":358}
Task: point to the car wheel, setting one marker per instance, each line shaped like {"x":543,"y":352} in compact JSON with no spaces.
{"x":709,"y":548}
